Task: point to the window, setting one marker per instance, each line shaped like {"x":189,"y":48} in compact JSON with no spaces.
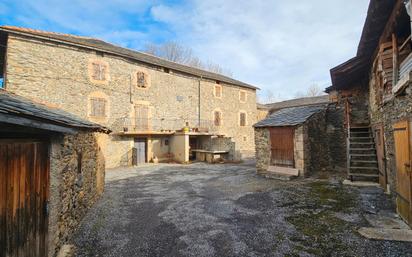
{"x":242,"y":119}
{"x":141,"y":79}
{"x":217,"y":118}
{"x":98,"y":107}
{"x":142,"y":117}
{"x":218,"y":91}
{"x":242,"y":96}
{"x":99,"y":71}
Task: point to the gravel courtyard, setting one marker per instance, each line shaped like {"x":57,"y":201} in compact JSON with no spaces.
{"x":227,"y":210}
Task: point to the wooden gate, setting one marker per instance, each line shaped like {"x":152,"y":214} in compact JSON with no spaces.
{"x":282,"y":139}
{"x":403,"y":170}
{"x":24,"y":183}
{"x":380,"y":154}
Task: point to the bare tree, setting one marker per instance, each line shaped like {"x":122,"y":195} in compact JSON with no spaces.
{"x":313,"y":90}
{"x":266,"y":97}
{"x":175,"y":52}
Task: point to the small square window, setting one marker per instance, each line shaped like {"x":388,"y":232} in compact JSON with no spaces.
{"x":141,"y":79}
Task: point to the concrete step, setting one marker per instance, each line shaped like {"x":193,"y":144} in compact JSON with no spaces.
{"x":282,"y":173}
{"x":364,"y":175}
{"x":363,"y":168}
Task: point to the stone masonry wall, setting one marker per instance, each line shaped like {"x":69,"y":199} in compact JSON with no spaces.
{"x":58,"y":75}
{"x":263,"y":151}
{"x":76,"y":181}
{"x":336,"y":136}
{"x":396,"y":109}
{"x":317,"y":142}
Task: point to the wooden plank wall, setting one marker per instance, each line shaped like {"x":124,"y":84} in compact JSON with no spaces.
{"x":24,"y":184}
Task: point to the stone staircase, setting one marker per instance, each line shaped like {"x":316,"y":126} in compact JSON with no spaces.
{"x":362,"y":160}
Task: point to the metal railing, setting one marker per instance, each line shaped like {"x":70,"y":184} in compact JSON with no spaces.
{"x":165,"y":125}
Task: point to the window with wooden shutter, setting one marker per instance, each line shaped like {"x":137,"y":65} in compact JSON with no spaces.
{"x":217,"y":118}
{"x":242,"y":119}
{"x":98,"y":107}
{"x":141,"y":80}
{"x":218,"y":91}
{"x":142,"y":117}
{"x":99,"y":71}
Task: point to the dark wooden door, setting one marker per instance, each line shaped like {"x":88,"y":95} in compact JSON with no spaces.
{"x":24,"y":194}
{"x":282,"y":139}
{"x":403,"y":170}
{"x":380,"y":154}
{"x":140,"y":150}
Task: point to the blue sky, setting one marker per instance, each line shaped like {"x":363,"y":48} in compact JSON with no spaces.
{"x":281,"y":46}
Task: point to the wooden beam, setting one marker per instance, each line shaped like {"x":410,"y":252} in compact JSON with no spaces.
{"x":395,"y":70}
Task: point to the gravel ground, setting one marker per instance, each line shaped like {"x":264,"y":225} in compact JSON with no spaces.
{"x":227,"y":210}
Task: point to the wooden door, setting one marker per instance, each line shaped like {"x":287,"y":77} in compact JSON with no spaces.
{"x":140,"y":154}
{"x":142,"y":117}
{"x":282,"y":139}
{"x":24,"y":194}
{"x":380,"y":154}
{"x":403,"y":170}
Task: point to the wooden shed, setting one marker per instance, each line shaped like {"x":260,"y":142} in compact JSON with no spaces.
{"x":32,"y":166}
{"x":292,"y":142}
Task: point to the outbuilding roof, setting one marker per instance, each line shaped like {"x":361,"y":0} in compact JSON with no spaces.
{"x":19,"y":110}
{"x":103,"y":46}
{"x":315,"y":100}
{"x":292,"y":116}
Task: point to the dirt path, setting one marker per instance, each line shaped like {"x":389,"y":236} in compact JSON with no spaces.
{"x":226,"y":210}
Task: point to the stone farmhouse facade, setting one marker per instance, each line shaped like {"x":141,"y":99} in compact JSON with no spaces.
{"x":374,"y":88}
{"x":158,"y":110}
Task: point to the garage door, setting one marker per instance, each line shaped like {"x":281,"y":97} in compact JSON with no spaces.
{"x":24,"y":183}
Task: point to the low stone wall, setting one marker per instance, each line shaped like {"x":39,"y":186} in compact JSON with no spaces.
{"x":77,"y":170}
{"x":220,"y":144}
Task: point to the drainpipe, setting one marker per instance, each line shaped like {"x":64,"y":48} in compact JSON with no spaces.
{"x":408,"y":6}
{"x":198,"y":107}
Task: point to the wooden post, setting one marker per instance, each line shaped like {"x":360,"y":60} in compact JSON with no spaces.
{"x":395,"y":59}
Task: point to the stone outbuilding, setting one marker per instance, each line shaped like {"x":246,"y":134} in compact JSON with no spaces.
{"x":292,"y":142}
{"x":51,"y":172}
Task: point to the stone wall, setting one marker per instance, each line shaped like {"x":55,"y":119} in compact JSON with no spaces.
{"x":77,"y":172}
{"x":219,"y":144}
{"x":59,"y":76}
{"x":396,"y":109}
{"x":336,"y":134}
{"x":317,"y":144}
{"x":263,"y":151}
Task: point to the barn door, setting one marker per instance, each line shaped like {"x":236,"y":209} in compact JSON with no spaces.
{"x":282,"y":146}
{"x":24,"y":184}
{"x":380,"y":153}
{"x":140,"y":151}
{"x":403,"y":170}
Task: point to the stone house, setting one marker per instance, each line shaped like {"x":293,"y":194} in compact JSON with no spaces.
{"x":374,"y":89}
{"x":158,"y":110}
{"x":291,"y":142}
{"x":51,"y":172}
{"x":302,"y":101}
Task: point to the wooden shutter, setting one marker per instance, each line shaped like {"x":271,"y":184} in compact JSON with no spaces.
{"x":217,"y":118}
{"x":242,"y":119}
{"x":98,"y":107}
{"x":142,"y":117}
{"x":99,"y":71}
{"x":218,"y":91}
{"x":282,"y":140}
{"x":141,"y":79}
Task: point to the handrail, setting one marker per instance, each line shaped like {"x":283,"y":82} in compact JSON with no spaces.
{"x":348,"y":125}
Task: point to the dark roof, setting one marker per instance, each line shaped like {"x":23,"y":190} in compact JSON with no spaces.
{"x":353,"y":70}
{"x":290,"y":116}
{"x":15,"y":108}
{"x":124,"y":52}
{"x":262,"y":106}
{"x":316,"y":100}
